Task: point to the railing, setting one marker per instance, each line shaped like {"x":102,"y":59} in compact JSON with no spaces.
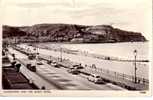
{"x":117,"y":75}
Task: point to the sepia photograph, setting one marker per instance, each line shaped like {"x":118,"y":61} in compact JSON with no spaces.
{"x":79,"y":45}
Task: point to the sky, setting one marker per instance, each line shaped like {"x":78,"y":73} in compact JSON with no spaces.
{"x":131,"y":15}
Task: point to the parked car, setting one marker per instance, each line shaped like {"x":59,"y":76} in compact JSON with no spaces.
{"x":30,"y":45}
{"x":39,"y":63}
{"x":96,"y":79}
{"x":31,"y":68}
{"x":31,"y":56}
{"x":78,"y":66}
{"x":49,"y":62}
{"x":55,"y":64}
{"x":73,"y":71}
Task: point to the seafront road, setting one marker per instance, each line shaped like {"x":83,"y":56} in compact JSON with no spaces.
{"x":58,"y":78}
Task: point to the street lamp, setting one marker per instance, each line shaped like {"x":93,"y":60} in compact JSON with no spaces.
{"x":61,"y":54}
{"x":135,"y":69}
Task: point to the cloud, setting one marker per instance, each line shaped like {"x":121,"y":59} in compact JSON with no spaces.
{"x":40,"y":4}
{"x":105,"y":10}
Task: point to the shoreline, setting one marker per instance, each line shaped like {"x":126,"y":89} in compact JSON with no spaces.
{"x":36,"y":42}
{"x":84,"y":53}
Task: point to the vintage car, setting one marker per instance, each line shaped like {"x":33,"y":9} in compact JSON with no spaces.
{"x":31,"y":68}
{"x":96,"y":79}
{"x":78,"y":66}
{"x":39,"y":63}
{"x":31,"y":56}
{"x":55,"y":64}
{"x":73,"y":71}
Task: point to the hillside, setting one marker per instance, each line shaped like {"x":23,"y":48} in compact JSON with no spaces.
{"x":70,"y":33}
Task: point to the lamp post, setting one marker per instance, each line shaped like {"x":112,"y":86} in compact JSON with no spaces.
{"x":135,"y":68}
{"x":61,"y":54}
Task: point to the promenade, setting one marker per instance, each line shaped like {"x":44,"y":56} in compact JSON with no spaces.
{"x":57,"y":78}
{"x":123,"y":80}
{"x":120,"y":79}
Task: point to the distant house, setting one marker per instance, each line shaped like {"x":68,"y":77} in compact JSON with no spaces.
{"x":77,"y":35}
{"x":77,"y":40}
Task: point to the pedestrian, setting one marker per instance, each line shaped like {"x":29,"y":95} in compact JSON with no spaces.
{"x":43,"y":87}
{"x":13,"y":64}
{"x":18,"y":67}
